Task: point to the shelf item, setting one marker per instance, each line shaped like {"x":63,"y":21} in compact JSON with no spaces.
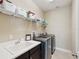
{"x":44,"y":24}
{"x":8,"y":1}
{"x":39,"y":20}
{"x":21,"y":13}
{"x":1,"y":1}
{"x":30,"y":20}
{"x":8,"y":8}
{"x":31,"y":14}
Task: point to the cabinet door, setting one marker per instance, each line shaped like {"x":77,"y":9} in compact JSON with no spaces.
{"x":35,"y":53}
{"x":24,"y":56}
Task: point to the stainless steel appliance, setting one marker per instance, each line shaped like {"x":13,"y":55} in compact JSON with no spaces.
{"x":45,"y":47}
{"x":53,"y":43}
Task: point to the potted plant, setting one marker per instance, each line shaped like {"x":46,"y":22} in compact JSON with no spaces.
{"x":44,"y":24}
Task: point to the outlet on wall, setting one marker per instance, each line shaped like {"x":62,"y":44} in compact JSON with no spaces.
{"x":10,"y":36}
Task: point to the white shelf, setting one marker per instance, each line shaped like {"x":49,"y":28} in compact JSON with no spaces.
{"x":10,"y":9}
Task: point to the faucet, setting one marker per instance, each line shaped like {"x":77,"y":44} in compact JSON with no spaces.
{"x":18,"y":41}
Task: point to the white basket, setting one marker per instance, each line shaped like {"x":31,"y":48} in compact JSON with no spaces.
{"x":21,"y":13}
{"x":8,"y":8}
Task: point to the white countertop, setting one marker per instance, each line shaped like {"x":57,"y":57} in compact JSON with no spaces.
{"x":5,"y":53}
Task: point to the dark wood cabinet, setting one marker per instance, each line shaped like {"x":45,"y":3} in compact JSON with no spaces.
{"x":24,"y":56}
{"x":34,"y":53}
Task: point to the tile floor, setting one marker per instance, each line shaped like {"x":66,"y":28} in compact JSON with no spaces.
{"x":61,"y":55}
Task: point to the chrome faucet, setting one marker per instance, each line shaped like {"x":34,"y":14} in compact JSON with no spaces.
{"x":18,"y":41}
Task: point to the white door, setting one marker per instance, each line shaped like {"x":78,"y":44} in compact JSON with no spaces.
{"x":75,"y":27}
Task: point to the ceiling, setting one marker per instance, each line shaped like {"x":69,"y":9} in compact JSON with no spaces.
{"x":45,"y":5}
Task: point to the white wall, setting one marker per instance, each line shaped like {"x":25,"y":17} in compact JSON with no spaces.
{"x":60,"y":24}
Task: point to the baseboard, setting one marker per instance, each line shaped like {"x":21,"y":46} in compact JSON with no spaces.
{"x":78,"y":52}
{"x":64,"y":50}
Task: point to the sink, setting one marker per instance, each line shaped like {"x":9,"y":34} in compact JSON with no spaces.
{"x":14,"y":48}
